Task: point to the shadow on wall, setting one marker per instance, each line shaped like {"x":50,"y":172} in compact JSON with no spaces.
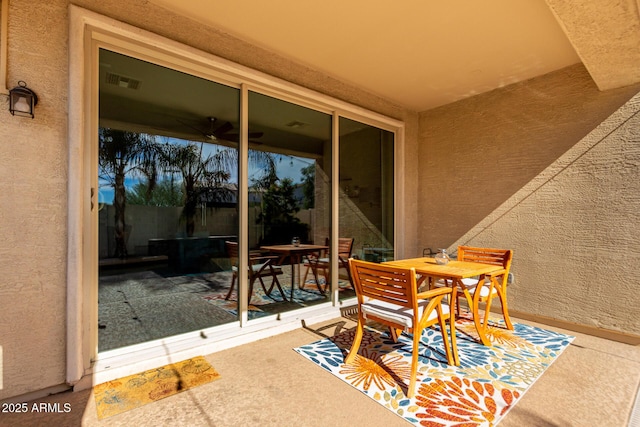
{"x":575,"y":223}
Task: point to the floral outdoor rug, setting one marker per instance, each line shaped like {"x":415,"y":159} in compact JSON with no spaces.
{"x":479,"y":392}
{"x":124,"y":394}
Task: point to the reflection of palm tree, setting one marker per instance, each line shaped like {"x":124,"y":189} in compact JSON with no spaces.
{"x":204,"y":178}
{"x":120,"y":153}
{"x":200,"y":176}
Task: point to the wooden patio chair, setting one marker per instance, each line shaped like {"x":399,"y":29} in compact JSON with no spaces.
{"x":320,"y":264}
{"x":493,"y":286}
{"x":260,"y":266}
{"x":389,"y":295}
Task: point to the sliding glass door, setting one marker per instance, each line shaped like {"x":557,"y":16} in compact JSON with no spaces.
{"x":168,"y":201}
{"x":169,"y":214}
{"x":290,"y":201}
{"x":366,"y":190}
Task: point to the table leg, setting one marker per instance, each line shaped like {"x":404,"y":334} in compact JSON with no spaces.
{"x":505,"y":308}
{"x":314,"y":270}
{"x":474,"y":303}
{"x":313,"y":265}
{"x":452,"y":326}
{"x":292,"y":260}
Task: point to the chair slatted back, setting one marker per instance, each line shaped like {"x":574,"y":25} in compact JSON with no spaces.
{"x":345,"y":246}
{"x":232,"y":251}
{"x":493,"y":256}
{"x":390,"y":284}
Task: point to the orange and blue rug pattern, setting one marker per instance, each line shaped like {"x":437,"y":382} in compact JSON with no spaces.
{"x":479,"y":392}
{"x":124,"y":394}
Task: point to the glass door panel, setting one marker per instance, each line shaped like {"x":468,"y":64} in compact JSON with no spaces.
{"x":167,"y":198}
{"x":289,"y":197}
{"x":366,"y":199}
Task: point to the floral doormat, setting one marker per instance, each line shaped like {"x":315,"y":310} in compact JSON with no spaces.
{"x":124,"y":394}
{"x":479,"y":392}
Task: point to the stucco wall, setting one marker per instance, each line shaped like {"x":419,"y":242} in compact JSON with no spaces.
{"x":478,"y":152}
{"x":34,"y":160}
{"x":574,"y":229}
{"x":498,"y":176}
{"x":33,"y":208}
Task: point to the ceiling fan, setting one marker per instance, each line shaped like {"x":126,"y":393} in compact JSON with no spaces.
{"x":222,"y":131}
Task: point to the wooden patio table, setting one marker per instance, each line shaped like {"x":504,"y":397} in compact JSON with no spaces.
{"x":455,"y":271}
{"x":295,"y":254}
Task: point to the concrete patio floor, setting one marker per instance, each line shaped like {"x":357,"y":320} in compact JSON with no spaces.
{"x":265,"y":383}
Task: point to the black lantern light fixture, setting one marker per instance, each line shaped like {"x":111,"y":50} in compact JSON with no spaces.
{"x":22,"y":100}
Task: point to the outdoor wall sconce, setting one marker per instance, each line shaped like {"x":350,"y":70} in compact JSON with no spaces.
{"x":22,"y":100}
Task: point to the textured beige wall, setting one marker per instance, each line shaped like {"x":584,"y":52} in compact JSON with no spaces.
{"x":478,"y":152}
{"x":34,"y":168}
{"x":576,"y":237}
{"x":608,"y":45}
{"x":33,"y":210}
{"x":574,"y":230}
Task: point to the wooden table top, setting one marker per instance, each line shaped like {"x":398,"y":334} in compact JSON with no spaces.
{"x":454,"y":269}
{"x":290,"y":248}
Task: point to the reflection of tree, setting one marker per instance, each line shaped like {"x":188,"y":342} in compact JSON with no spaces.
{"x":308,"y":185}
{"x":121,"y":153}
{"x":203,"y":178}
{"x":166,"y":193}
{"x":279,"y":213}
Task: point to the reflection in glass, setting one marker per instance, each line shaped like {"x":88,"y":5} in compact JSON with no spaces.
{"x":366,"y":189}
{"x":168,"y":191}
{"x":291,"y":201}
{"x":167,"y":198}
